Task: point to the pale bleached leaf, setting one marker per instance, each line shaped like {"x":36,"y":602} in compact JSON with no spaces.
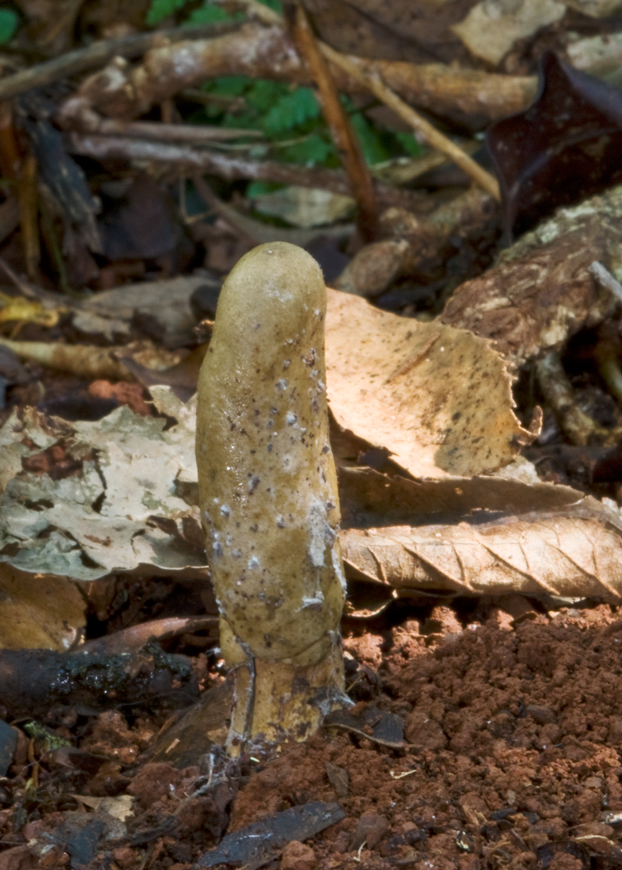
{"x":122,"y":511}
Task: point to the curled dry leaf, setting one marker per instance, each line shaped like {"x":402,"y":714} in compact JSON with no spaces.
{"x":438,"y":398}
{"x":369,"y":498}
{"x":574,"y":553}
{"x":540,"y":293}
{"x":564,"y":148}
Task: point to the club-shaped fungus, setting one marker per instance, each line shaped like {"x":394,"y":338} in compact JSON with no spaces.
{"x":268,"y":496}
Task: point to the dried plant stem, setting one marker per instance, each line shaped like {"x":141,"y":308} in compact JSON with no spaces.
{"x":339,"y":125}
{"x":28,"y":207}
{"x":99,"y":53}
{"x":230,"y":167}
{"x":374,"y":83}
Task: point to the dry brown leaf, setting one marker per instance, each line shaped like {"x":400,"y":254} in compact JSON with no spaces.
{"x":39,"y":612}
{"x":369,"y":498}
{"x":438,"y":398}
{"x":540,"y":293}
{"x":572,"y":553}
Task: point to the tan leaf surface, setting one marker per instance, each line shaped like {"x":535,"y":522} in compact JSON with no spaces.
{"x":574,"y":553}
{"x":438,"y":398}
{"x":38,"y":612}
{"x":491,"y":28}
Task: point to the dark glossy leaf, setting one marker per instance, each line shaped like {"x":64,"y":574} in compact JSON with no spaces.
{"x":565,"y":147}
{"x":257,"y":843}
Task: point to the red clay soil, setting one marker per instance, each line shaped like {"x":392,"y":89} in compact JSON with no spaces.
{"x":513,"y":727}
{"x":514,"y":733}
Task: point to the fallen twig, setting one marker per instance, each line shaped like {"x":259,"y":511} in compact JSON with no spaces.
{"x":423,"y":128}
{"x":557,"y":389}
{"x":99,"y":53}
{"x":339,"y":125}
{"x":415,"y":242}
{"x":192,"y":161}
{"x":195,"y":134}
{"x":472,"y":97}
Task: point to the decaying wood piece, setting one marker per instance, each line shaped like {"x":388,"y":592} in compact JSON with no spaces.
{"x":415,"y":244}
{"x":572,"y":553}
{"x":268,"y":496}
{"x":33,"y":680}
{"x":121,"y":91}
{"x":81,"y":59}
{"x":541,"y":291}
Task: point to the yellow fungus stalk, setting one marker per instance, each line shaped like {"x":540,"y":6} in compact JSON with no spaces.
{"x":268,"y":496}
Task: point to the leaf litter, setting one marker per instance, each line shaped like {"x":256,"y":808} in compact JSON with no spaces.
{"x":133,"y":506}
{"x":509,"y":705}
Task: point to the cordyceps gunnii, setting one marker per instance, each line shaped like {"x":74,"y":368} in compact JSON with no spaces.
{"x":268,"y":496}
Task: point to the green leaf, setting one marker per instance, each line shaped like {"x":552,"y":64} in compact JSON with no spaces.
{"x":311,"y":150}
{"x":160,"y":9}
{"x":209,"y":14}
{"x":9,"y":21}
{"x":260,"y":188}
{"x":264,"y":94}
{"x":290,"y":111}
{"x":228,"y":86}
{"x":410,"y":144}
{"x":274,"y":5}
{"x":371,"y":144}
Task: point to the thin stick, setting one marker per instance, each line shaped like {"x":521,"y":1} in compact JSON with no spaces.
{"x":193,"y":161}
{"x":339,"y":124}
{"x":605,"y":279}
{"x":375,"y":84}
{"x":425,"y":130}
{"x":157,"y":131}
{"x":99,"y":53}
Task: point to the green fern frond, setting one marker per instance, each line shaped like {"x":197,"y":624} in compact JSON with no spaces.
{"x":310,"y":151}
{"x":209,"y":14}
{"x":371,"y":144}
{"x":290,"y":111}
{"x":160,"y":9}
